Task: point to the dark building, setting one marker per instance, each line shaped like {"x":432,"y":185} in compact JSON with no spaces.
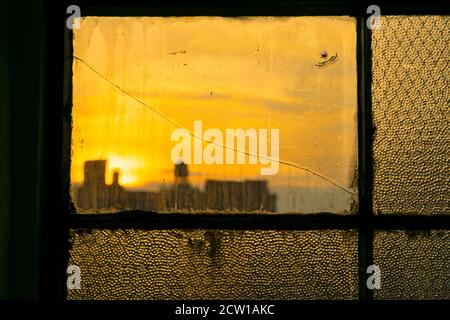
{"x":245,"y":196}
{"x":249,"y":195}
{"x":181,"y":173}
{"x":96,"y":194}
{"x":93,"y":194}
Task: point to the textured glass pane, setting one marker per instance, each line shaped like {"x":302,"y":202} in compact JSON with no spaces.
{"x":180,"y":114}
{"x":414,"y":265}
{"x":411,"y":115}
{"x":215,"y":264}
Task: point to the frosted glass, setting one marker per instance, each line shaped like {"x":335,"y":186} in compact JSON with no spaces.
{"x":410,"y":102}
{"x":215,"y":264}
{"x":413,"y":265}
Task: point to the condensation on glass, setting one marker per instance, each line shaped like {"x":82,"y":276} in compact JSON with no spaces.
{"x":136,"y":81}
{"x":410,"y":103}
{"x":413,"y":264}
{"x":215,"y":264}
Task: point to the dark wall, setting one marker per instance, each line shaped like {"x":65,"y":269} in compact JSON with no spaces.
{"x":4,"y":156}
{"x":21,"y":102}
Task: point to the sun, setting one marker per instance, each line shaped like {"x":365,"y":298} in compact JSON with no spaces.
{"x":127,"y":166}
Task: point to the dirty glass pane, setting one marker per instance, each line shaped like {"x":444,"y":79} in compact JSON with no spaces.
{"x":215,"y":264}
{"x":413,"y":265}
{"x":410,"y":102}
{"x":211,"y":114}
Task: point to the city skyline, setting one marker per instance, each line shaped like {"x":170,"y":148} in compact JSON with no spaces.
{"x":218,"y":195}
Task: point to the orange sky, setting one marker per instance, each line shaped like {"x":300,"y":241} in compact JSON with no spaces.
{"x":227,"y":72}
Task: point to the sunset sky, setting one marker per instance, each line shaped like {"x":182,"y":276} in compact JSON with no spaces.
{"x":228,"y":72}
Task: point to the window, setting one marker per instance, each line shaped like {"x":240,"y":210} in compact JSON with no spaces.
{"x":151,"y":222}
{"x":195,"y":119}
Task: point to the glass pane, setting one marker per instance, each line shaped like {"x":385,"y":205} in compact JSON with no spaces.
{"x":413,"y":265}
{"x":215,"y":264}
{"x":410,"y":102}
{"x":180,"y":114}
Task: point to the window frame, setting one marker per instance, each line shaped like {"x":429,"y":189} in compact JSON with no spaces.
{"x":58,"y":216}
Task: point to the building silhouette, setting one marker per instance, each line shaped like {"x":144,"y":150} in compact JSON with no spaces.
{"x":219,"y":195}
